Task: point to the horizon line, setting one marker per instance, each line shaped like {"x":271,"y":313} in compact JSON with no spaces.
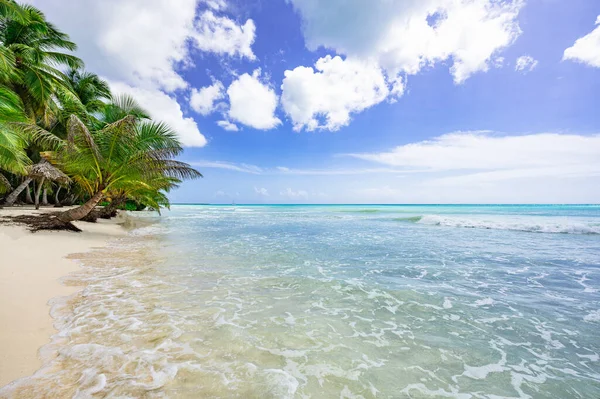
{"x":387,"y":204}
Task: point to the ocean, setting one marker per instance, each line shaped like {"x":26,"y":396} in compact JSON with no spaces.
{"x":334,"y":301}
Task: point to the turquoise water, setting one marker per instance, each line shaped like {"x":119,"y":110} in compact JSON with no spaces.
{"x":337,"y":302}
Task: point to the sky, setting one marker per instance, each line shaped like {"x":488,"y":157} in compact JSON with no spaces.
{"x":360,"y":101}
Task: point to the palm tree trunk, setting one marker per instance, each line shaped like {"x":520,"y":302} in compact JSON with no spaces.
{"x":37,"y":193}
{"x":81,"y":211}
{"x":12,"y":197}
{"x":56,"y":200}
{"x":110,"y":210}
{"x":28,"y":198}
{"x":45,"y":196}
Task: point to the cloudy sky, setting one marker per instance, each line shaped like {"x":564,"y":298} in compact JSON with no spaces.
{"x":361,"y":101}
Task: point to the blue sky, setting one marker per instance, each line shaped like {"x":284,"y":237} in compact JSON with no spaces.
{"x":436,"y":101}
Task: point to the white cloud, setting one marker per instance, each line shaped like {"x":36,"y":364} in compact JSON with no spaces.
{"x":243,"y":167}
{"x":525,"y":63}
{"x":335,"y":90}
{"x":293,"y":195}
{"x":164,"y":108}
{"x":230,"y":127}
{"x":222,"y":35}
{"x":262,"y":192}
{"x":204,"y":100}
{"x":405,"y":36}
{"x":586,"y":49}
{"x":253,"y":102}
{"x":217,"y":5}
{"x":120,"y":42}
{"x":546,"y":154}
{"x":498,"y":62}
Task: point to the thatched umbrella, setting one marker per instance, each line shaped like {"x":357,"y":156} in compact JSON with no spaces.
{"x":44,"y":170}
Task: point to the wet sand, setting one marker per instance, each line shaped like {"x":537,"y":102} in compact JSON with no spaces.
{"x":31,"y":265}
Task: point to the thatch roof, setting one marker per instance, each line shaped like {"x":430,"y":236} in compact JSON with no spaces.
{"x":46,"y":170}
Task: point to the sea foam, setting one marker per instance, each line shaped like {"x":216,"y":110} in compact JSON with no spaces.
{"x":526,"y":225}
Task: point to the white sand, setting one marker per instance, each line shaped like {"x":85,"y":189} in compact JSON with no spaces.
{"x":30,"y":267}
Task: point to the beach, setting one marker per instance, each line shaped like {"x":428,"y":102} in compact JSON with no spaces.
{"x":31,"y":267}
{"x":297,"y":301}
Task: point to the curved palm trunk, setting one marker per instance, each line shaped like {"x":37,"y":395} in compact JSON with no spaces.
{"x":45,"y":196}
{"x":28,"y":198}
{"x":81,"y":211}
{"x":12,"y":197}
{"x":56,"y":200}
{"x":37,"y":193}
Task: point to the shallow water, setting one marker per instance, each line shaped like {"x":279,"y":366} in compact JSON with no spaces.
{"x":335,"y":302}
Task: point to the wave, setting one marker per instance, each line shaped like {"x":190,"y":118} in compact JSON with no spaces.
{"x":413,"y":219}
{"x":556,"y":227}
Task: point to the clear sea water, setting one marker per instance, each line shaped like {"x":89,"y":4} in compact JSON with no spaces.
{"x":335,"y":302}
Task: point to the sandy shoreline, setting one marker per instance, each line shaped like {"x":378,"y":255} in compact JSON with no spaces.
{"x":31,"y":265}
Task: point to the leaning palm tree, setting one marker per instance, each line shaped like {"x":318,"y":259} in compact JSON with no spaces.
{"x":33,"y":49}
{"x":126,"y":153}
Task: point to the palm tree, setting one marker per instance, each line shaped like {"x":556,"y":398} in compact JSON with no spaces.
{"x":13,"y":158}
{"x":124,"y":154}
{"x":30,"y":86}
{"x":32,"y":48}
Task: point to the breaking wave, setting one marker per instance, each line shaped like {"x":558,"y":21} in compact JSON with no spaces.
{"x":528,"y":225}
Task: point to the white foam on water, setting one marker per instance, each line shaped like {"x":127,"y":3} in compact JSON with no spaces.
{"x":484,"y":302}
{"x":481,"y":372}
{"x":422,"y":388}
{"x":593,"y":358}
{"x":593,"y":316}
{"x":447,"y":303}
{"x":282,"y":384}
{"x":530,"y":224}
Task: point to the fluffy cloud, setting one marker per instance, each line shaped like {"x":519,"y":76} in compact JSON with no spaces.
{"x":165,"y":108}
{"x":586,"y":49}
{"x":119,"y":42}
{"x":230,"y":127}
{"x":525,"y":63}
{"x":294,"y":195}
{"x":222,"y":35}
{"x":405,"y":36}
{"x":546,"y":154}
{"x":142,"y":42}
{"x":253,"y":102}
{"x":333,"y":90}
{"x":204,"y":100}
